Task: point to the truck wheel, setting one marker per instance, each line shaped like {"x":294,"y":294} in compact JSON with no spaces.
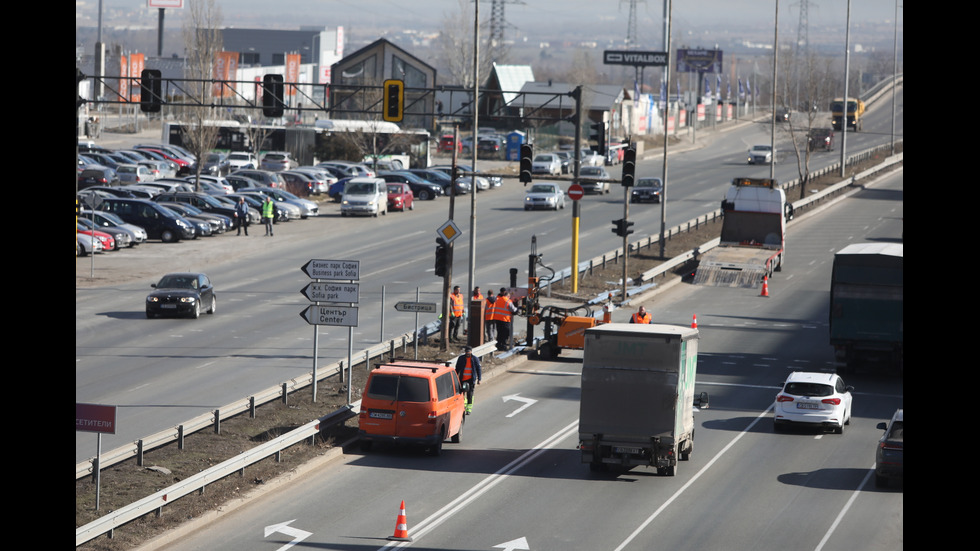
{"x":667,"y":471}
{"x":436,"y":449}
{"x":458,"y":434}
{"x":779,"y":263}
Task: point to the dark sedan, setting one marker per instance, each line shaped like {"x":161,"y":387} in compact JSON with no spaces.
{"x":646,"y":190}
{"x":422,"y":189}
{"x":181,"y":294}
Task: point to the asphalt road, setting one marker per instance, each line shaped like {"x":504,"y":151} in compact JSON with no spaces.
{"x":163,"y":372}
{"x":516,"y":480}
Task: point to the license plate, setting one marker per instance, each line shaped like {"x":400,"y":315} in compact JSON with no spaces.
{"x":807,"y":405}
{"x":380,"y":415}
{"x":168,"y":306}
{"x":620,"y":449}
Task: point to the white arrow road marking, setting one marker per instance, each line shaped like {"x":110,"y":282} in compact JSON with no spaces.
{"x":519,"y":543}
{"x":528,"y":402}
{"x":284,"y":527}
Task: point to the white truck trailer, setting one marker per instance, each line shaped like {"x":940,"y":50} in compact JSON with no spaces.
{"x":637,"y":406}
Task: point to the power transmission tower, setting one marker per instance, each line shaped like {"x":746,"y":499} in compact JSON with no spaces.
{"x":497,"y":24}
{"x":802,"y":45}
{"x":631,"y":38}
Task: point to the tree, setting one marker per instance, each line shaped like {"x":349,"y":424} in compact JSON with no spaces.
{"x":202,"y":41}
{"x":455,"y":47}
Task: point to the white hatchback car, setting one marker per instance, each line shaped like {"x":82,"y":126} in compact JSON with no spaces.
{"x":815,"y":399}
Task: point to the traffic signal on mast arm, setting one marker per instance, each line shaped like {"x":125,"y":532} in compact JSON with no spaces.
{"x":442,"y":257}
{"x":621,"y":227}
{"x":629,"y":165}
{"x":151,"y":90}
{"x":272,"y":94}
{"x":393,"y":102}
{"x":597,"y":134}
{"x":527,"y":154}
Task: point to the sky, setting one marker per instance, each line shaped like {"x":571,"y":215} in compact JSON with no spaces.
{"x":524,"y":15}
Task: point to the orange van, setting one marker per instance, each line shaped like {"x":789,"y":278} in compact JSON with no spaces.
{"x":408,"y":402}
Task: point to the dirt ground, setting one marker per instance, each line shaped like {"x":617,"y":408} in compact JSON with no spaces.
{"x":126,"y":483}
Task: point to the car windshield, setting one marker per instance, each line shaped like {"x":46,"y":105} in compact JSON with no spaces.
{"x":761,"y":148}
{"x":177,"y":281}
{"x":808,"y":389}
{"x":274,"y":157}
{"x":542,"y":189}
{"x":399,"y":388}
{"x":111,"y":218}
{"x":648,"y":182}
{"x":543,"y":159}
{"x":394,"y":188}
{"x":590,"y":170}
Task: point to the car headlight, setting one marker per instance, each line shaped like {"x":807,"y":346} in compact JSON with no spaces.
{"x":152,"y":299}
{"x":190,"y":300}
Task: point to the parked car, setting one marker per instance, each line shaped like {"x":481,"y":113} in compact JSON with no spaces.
{"x":890,"y":454}
{"x":647,"y":190}
{"x":121,"y":237}
{"x":133,"y":174}
{"x":299,"y":183}
{"x":482,"y":182}
{"x":782,"y":114}
{"x":400,"y":197}
{"x":182,"y":294}
{"x":814,"y":399}
{"x":546,"y":163}
{"x":566,"y":161}
{"x":349,"y":168}
{"x":762,"y":154}
{"x":202,"y":201}
{"x":490,"y":148}
{"x":158,"y":221}
{"x":262,"y":177}
{"x":594,"y":179}
{"x":284,"y":212}
{"x":544,"y":196}
{"x":321,"y":177}
{"x":85,"y":244}
{"x":242,"y":159}
{"x":108,"y":242}
{"x":446,"y":144}
{"x":365,"y":196}
{"x":441,"y":178}
{"x":276,"y":161}
{"x":214,"y":224}
{"x":414,"y":403}
{"x":97,"y":176}
{"x":306,"y":207}
{"x":423,"y":189}
{"x":105,"y":220}
{"x":216,"y":164}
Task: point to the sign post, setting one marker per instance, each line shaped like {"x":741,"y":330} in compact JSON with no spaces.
{"x":346,"y":290}
{"x":575,"y":192}
{"x":98,"y":419}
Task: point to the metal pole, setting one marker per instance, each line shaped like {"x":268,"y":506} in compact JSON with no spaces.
{"x":663,"y":191}
{"x":381,"y":337}
{"x":476,"y":117}
{"x":772,"y":100}
{"x":417,"y":294}
{"x":575,"y":176}
{"x":847,"y":71}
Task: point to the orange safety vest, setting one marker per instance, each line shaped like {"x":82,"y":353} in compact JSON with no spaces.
{"x":457,"y":310}
{"x":644,"y":319}
{"x":467,"y":370}
{"x":488,"y":312}
{"x":500,"y":310}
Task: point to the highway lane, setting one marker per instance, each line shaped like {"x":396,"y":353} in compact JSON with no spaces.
{"x":516,"y":476}
{"x":166,"y":371}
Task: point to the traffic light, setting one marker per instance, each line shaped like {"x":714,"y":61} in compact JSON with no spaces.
{"x":393,"y":104}
{"x":151,"y":90}
{"x":272,"y":93}
{"x":79,"y":77}
{"x":527,"y":154}
{"x":442,"y":257}
{"x":598,"y":135}
{"x":629,"y":165}
{"x":622,"y":227}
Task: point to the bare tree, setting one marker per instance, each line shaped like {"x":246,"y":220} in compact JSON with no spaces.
{"x":202,"y":41}
{"x":455,"y":50}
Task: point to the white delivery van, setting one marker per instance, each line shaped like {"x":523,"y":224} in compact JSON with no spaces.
{"x":365,"y":196}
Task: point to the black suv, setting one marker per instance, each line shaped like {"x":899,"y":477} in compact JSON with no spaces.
{"x":202,"y":201}
{"x":158,"y":221}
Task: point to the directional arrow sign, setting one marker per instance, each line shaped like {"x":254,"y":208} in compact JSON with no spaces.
{"x":418,"y":307}
{"x":528,"y":402}
{"x":295,"y":533}
{"x":319,"y":314}
{"x":333,"y":269}
{"x":513,"y":545}
{"x":323,"y":291}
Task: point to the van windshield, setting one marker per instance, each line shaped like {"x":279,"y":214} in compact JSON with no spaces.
{"x":399,"y":388}
{"x":360,"y":188}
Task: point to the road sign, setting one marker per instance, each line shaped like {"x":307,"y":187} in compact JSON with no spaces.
{"x":449,"y":231}
{"x":319,"y":314}
{"x":417,"y":307}
{"x":325,"y":291}
{"x":95,"y":418}
{"x":575,"y":192}
{"x":333,"y":269}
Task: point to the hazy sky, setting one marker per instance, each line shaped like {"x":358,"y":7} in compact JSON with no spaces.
{"x":525,"y":15}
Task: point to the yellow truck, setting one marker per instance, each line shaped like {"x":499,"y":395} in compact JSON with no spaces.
{"x":855,"y":113}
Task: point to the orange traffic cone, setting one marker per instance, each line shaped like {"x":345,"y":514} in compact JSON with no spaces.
{"x":694,"y":322}
{"x":401,"y":526}
{"x":765,"y":286}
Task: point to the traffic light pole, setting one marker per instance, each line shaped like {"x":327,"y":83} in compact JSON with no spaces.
{"x":626,"y":244}
{"x":575,"y":177}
